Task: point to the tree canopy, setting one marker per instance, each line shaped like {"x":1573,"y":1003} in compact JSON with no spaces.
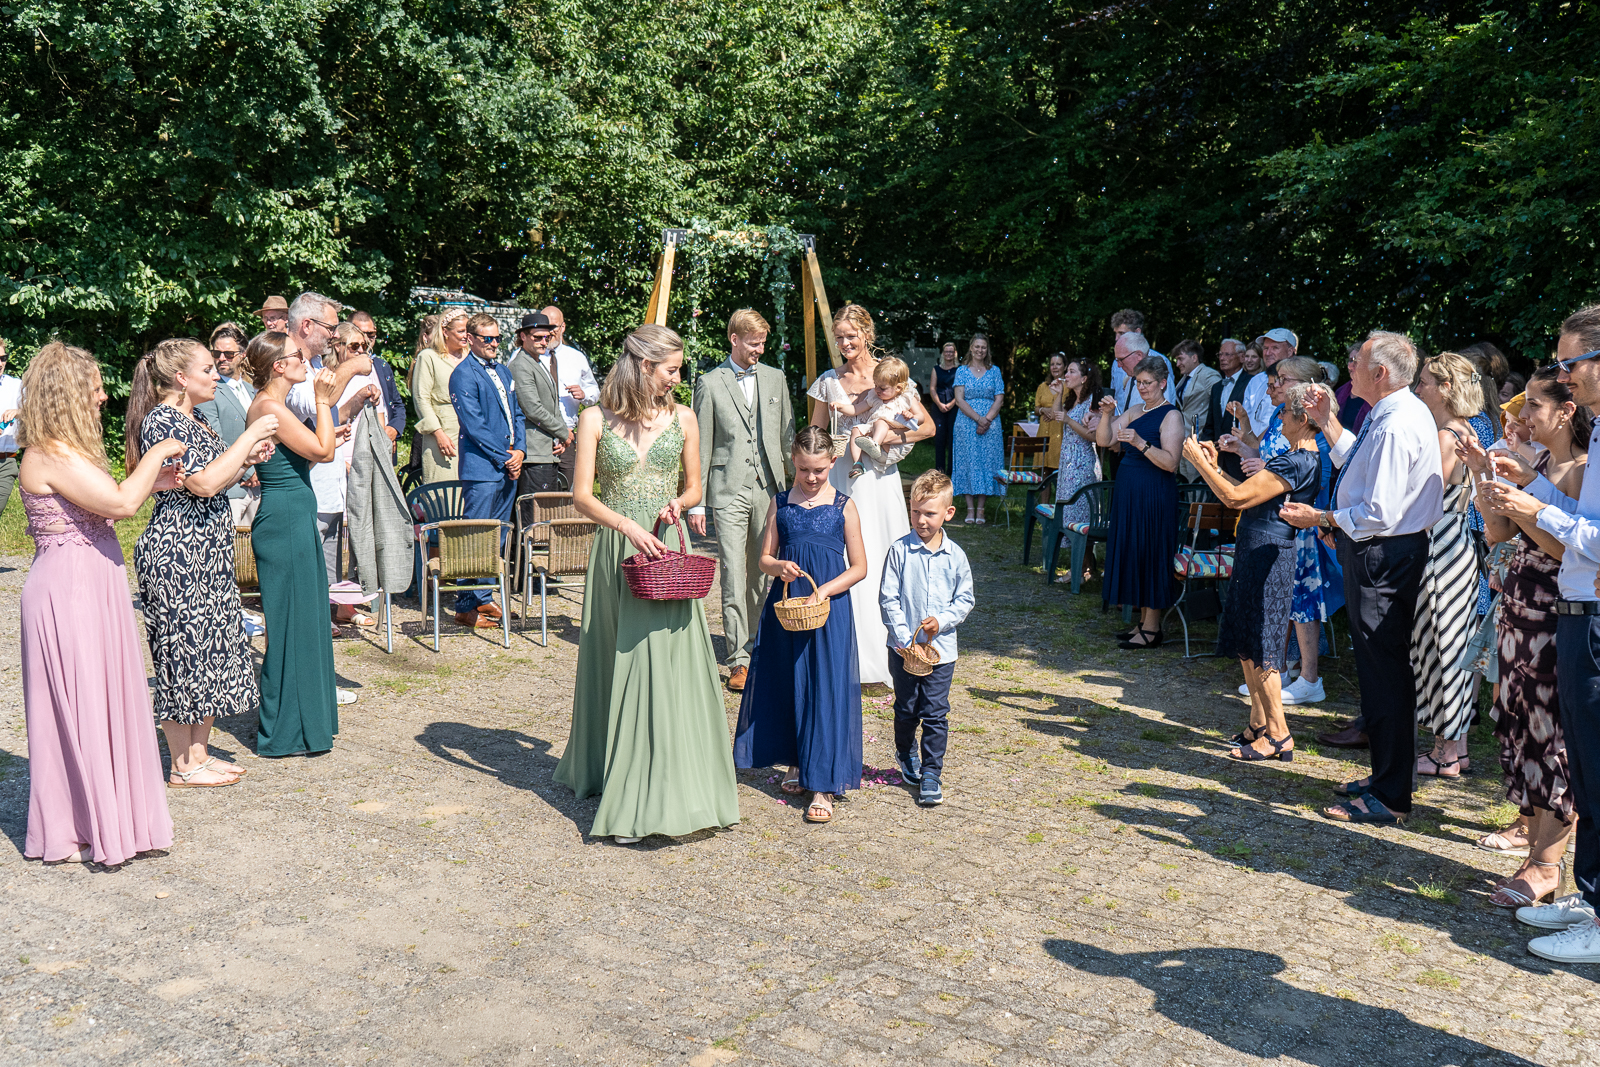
{"x":1028,"y":166}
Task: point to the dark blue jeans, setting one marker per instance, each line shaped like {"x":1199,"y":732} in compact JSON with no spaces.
{"x":1578,"y":686}
{"x":485,"y":500}
{"x":922,"y":702}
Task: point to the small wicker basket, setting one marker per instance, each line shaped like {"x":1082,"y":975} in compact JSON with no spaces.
{"x":672,"y":575}
{"x":841,"y":441}
{"x":798,"y":613}
{"x":920,"y":659}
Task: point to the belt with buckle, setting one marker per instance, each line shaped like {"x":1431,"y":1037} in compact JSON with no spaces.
{"x":1577,"y":607}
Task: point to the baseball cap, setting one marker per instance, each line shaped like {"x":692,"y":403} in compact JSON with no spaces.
{"x":1282,"y":336}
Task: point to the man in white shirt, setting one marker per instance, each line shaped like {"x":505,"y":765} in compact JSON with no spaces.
{"x":1276,"y":345}
{"x":1130,"y":351}
{"x":10,"y":406}
{"x":1229,"y":390}
{"x":1129,"y":320}
{"x":1576,"y":524}
{"x":1388,"y":493}
{"x":577,"y":385}
{"x":1193,"y":393}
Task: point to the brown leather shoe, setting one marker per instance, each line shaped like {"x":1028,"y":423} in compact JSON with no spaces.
{"x":1346,"y":736}
{"x":490,"y":609}
{"x":736,"y":680}
{"x":476,"y":620}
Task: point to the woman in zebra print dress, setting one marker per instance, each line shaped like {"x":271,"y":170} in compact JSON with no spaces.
{"x":184,"y":560}
{"x":1449,"y":386}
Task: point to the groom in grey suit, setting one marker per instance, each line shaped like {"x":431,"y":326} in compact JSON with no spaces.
{"x":228,"y":411}
{"x":746,"y":431}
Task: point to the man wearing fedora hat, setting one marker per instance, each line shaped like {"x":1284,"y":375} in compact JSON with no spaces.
{"x":1276,"y":345}
{"x":274,"y":314}
{"x":533,"y":367}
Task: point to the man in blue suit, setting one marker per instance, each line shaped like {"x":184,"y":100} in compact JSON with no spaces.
{"x":491,"y":447}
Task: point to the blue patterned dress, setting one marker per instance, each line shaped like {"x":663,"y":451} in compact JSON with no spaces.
{"x":1312,"y":595}
{"x":978,"y":456}
{"x":1078,"y":466}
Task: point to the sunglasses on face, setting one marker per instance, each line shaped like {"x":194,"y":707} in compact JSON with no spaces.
{"x":218,"y":352}
{"x":1566,"y":364}
{"x":329,"y":326}
{"x":488,"y":338}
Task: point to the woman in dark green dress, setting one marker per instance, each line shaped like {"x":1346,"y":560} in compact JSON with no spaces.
{"x":649,"y":729}
{"x":299,"y":698}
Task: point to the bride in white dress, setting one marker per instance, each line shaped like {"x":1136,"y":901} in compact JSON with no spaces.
{"x":879,"y":498}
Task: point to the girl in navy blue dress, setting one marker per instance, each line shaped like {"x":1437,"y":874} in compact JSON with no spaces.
{"x":1144,"y":504}
{"x":802,"y":702}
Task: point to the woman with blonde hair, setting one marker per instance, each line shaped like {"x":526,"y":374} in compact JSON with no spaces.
{"x":979,"y":447}
{"x":880,"y":500}
{"x":1451,"y":388}
{"x":184,"y":559}
{"x":649,"y":732}
{"x":438,"y":432}
{"x":94,"y":769}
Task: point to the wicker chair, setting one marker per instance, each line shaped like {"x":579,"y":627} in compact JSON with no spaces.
{"x":434,"y":502}
{"x":567,"y":542}
{"x":244,"y":560}
{"x":468,"y":549}
{"x":532,"y":510}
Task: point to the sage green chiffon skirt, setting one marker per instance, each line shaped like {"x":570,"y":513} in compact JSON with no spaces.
{"x":649,"y":731}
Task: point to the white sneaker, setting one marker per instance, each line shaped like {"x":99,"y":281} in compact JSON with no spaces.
{"x":1301,"y":691}
{"x":1575,"y":944}
{"x":1244,"y":690}
{"x":345,"y":696}
{"x":1568,"y":911}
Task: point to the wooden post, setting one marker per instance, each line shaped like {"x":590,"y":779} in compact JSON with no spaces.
{"x":664,"y":285}
{"x":808,"y":313}
{"x":820,"y":292}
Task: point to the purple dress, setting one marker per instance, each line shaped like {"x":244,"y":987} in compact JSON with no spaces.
{"x":93,"y":765}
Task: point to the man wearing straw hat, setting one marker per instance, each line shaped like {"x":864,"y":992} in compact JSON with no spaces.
{"x":746,"y":429}
{"x":274,"y":314}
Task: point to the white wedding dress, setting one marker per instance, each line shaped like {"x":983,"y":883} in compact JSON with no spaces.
{"x":881,"y":504}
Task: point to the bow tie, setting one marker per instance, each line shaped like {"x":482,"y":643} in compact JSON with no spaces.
{"x":741,"y":375}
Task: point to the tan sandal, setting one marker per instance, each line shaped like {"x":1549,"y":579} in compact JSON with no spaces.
{"x":820,"y":809}
{"x":184,"y":780}
{"x":1505,"y":842}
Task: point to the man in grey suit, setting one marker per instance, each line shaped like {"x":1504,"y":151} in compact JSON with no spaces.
{"x":1194,"y":393}
{"x":746,"y":431}
{"x":227,"y":411}
{"x":531,"y":368}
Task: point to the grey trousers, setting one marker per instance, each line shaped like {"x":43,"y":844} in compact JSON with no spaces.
{"x":8,"y":478}
{"x":330,"y":524}
{"x":740,"y":523}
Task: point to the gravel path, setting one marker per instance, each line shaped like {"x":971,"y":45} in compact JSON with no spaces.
{"x":1100,"y":887}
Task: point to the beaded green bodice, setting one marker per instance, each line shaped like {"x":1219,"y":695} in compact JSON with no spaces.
{"x":633,"y":488}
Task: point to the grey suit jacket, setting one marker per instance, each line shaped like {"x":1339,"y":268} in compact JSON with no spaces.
{"x":730,"y":455}
{"x":228,"y":417}
{"x":1197,"y":396}
{"x":536,"y":392}
{"x":379,"y":519}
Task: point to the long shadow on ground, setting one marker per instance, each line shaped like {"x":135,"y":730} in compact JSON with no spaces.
{"x":1231,"y":996}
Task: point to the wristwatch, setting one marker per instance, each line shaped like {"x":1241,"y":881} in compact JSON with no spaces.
{"x":1325,"y":520}
{"x":1145,"y":449}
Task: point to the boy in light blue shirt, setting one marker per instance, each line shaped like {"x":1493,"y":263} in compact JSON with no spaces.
{"x":927,"y":587}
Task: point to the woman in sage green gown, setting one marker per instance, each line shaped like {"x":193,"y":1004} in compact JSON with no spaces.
{"x":299,"y":692}
{"x":649,"y":730}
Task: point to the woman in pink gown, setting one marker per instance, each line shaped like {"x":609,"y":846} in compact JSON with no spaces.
{"x":95,"y":789}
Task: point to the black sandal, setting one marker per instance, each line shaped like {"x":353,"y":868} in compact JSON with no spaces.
{"x":1246,"y":754}
{"x":1148,"y":635}
{"x":1244,"y":737}
{"x":1353,"y":789}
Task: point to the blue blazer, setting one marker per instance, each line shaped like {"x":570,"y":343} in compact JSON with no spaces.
{"x":486,"y":441}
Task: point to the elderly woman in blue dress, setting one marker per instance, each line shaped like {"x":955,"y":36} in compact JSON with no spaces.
{"x":979,"y":446}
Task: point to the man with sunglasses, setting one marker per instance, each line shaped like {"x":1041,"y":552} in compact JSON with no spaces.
{"x":393,"y":403}
{"x":1576,"y":524}
{"x":228,"y":411}
{"x":492,"y":446}
{"x":10,"y":404}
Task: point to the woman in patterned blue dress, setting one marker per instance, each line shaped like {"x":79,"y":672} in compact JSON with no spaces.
{"x":802,"y":703}
{"x":979,"y":447}
{"x":1079,"y":463}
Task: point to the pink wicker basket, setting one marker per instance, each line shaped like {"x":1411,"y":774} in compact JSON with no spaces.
{"x":672,"y":575}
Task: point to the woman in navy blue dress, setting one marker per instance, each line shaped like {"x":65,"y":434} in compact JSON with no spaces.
{"x":802,"y":702}
{"x":1144,"y":504}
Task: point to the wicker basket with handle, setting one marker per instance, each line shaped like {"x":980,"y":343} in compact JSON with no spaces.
{"x":671,"y":575}
{"x":798,"y":613}
{"x":920,"y":659}
{"x":841,"y":441}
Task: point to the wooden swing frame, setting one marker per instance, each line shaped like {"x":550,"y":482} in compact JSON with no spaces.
{"x":813,"y":294}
